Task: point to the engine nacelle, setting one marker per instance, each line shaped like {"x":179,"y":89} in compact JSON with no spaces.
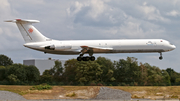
{"x":51,"y":47}
{"x":62,"y":46}
{"x":58,"y":47}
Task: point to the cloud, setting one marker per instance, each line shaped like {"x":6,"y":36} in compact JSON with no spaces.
{"x":115,"y":20}
{"x":5,"y":6}
{"x":5,"y":9}
{"x":74,"y":9}
{"x":95,"y":13}
{"x":9,"y":36}
{"x":1,"y":31}
{"x":93,"y":8}
{"x":152,"y":13}
{"x":97,"y":8}
{"x":173,"y":13}
{"x":27,"y":3}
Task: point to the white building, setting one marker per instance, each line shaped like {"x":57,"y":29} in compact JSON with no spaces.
{"x":42,"y":64}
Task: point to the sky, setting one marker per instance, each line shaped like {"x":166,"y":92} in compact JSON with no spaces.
{"x":92,"y":20}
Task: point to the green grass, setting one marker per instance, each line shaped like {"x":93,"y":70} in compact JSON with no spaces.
{"x":41,"y":87}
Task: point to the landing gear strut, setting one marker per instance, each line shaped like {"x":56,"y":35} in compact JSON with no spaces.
{"x":86,"y":58}
{"x":160,"y":58}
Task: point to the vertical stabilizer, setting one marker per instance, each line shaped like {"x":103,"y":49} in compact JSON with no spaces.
{"x":28,"y":31}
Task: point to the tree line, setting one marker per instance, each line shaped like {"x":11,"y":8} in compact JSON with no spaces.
{"x":124,"y":72}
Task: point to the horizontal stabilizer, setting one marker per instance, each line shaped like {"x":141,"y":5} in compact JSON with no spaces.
{"x":22,"y":20}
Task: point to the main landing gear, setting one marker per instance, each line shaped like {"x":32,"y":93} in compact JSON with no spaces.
{"x":160,"y":58}
{"x":85,"y":58}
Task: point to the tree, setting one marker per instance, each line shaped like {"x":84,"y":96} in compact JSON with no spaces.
{"x":5,"y":61}
{"x":177,"y":81}
{"x":13,"y":79}
{"x":2,"y":73}
{"x":88,"y":71}
{"x":32,"y":73}
{"x":107,"y":68}
{"x":173,"y":75}
{"x":69,"y":72}
{"x":57,"y":71}
{"x":23,"y":73}
{"x":156,"y":76}
{"x":166,"y":78}
{"x":127,"y":70}
{"x":144,"y":74}
{"x":119,"y":72}
{"x":46,"y":77}
{"x":17,"y":70}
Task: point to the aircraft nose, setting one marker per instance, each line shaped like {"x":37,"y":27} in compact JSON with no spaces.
{"x":173,"y":47}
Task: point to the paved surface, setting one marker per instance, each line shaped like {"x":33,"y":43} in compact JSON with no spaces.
{"x":112,"y":94}
{"x":8,"y":96}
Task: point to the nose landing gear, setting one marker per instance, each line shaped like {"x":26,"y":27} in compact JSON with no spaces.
{"x":160,"y":58}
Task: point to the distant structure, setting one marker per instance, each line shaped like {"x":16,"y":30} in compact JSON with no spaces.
{"x":42,"y":64}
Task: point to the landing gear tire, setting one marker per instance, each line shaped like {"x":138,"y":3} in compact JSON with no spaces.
{"x":86,"y":58}
{"x":79,"y":58}
{"x":92,"y":58}
{"x":160,"y":58}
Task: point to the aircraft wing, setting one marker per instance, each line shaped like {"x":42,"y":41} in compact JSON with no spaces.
{"x":87,"y":48}
{"x":100,"y":48}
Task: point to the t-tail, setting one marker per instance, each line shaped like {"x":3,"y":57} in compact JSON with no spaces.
{"x":28,"y":31}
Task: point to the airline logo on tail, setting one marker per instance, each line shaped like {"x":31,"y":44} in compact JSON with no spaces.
{"x":30,"y":30}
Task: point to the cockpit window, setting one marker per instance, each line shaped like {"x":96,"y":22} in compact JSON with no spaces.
{"x":170,"y":43}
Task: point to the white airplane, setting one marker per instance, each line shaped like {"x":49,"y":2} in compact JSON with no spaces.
{"x":35,"y":40}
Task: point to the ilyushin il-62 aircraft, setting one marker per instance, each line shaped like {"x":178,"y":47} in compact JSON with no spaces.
{"x":35,"y":40}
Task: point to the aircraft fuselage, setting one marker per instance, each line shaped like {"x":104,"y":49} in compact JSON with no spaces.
{"x":102,"y":46}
